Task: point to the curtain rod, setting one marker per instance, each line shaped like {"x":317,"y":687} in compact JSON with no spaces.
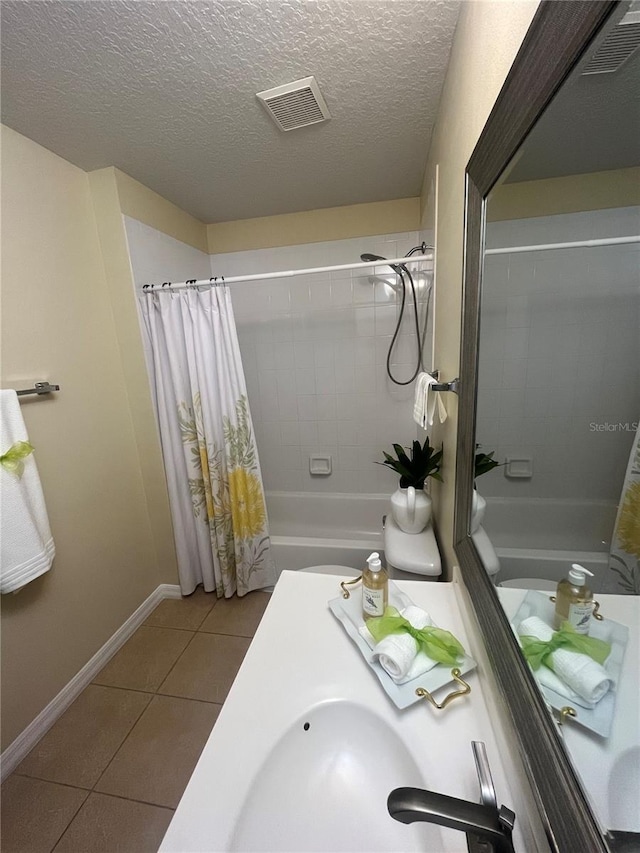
{"x":576,"y":244}
{"x":181,"y":285}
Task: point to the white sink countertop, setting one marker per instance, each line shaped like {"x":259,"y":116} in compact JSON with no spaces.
{"x":609,"y":767}
{"x":266,"y":781}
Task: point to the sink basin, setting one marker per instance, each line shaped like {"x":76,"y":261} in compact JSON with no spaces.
{"x":324,"y":786}
{"x":624,"y":790}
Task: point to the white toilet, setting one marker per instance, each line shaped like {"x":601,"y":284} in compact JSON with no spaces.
{"x":415,"y":556}
{"x":411,"y":556}
{"x":408,"y":556}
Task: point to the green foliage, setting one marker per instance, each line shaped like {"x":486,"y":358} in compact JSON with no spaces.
{"x":483,"y":463}
{"x":423,"y":462}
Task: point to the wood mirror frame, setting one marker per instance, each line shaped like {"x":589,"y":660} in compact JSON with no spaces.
{"x":558,"y":36}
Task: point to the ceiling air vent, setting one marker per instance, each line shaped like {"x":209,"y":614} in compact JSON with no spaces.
{"x":296,"y":104}
{"x":618,"y":46}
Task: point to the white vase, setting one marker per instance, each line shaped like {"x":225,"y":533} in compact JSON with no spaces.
{"x":478,"y":506}
{"x":411,"y":509}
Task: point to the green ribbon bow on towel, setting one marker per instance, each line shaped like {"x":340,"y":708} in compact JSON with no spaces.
{"x":537,"y":651}
{"x":436,"y":643}
{"x":12,"y":459}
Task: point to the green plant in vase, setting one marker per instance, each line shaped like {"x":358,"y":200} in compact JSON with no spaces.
{"x":410,"y":505}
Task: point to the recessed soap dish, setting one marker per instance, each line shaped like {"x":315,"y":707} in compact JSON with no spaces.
{"x":518,"y":467}
{"x":320,"y":466}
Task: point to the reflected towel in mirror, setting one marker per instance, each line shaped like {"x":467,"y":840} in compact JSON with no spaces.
{"x":574,"y":675}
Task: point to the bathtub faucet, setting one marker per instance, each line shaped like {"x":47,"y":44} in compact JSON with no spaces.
{"x":488,"y":827}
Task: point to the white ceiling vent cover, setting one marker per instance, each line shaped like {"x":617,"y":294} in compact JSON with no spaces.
{"x":296,"y":104}
{"x":621,"y":42}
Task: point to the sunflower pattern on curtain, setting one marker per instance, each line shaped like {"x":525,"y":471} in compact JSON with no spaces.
{"x":624,"y":557}
{"x":209,"y":450}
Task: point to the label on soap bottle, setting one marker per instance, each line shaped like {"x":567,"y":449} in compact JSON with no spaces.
{"x":580,"y":616}
{"x":373,"y":601}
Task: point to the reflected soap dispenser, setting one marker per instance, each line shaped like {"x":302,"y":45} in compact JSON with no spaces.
{"x":375,"y":588}
{"x":574,"y":600}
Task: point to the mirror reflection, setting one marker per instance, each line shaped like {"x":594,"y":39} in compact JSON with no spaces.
{"x":558,"y":409}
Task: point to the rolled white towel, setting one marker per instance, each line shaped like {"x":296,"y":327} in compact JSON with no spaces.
{"x":398,"y":653}
{"x":579,"y":674}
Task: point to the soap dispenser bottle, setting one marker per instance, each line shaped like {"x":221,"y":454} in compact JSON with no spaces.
{"x":574,"y":600}
{"x":375,"y":588}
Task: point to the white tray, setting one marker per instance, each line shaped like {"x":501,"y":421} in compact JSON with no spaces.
{"x":348,"y":611}
{"x":600,"y":718}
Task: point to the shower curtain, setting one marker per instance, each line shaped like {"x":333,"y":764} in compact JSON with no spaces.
{"x":624,"y":556}
{"x":210,"y":456}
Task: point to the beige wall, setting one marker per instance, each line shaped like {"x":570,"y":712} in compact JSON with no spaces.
{"x":486,"y":41}
{"x":57,"y":324}
{"x":108,"y":207}
{"x":568,"y":194}
{"x":314,"y":226}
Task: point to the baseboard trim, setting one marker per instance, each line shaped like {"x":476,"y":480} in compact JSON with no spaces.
{"x":26,"y":740}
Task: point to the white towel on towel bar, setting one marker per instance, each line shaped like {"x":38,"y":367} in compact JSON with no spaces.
{"x":426,"y":400}
{"x":26,"y":549}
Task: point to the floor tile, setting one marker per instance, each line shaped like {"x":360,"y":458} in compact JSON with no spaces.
{"x":36,"y":813}
{"x":83,"y":741}
{"x":144,"y":660}
{"x":237,"y":616}
{"x":207,"y":668}
{"x":187,"y":613}
{"x":155,"y":762}
{"x":110,"y":825}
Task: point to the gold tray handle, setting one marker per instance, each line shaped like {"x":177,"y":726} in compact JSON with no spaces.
{"x":345,"y":584}
{"x":456,"y":675}
{"x":566,"y":711}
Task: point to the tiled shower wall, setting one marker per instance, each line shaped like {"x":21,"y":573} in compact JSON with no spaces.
{"x":559,"y":372}
{"x":313,"y":349}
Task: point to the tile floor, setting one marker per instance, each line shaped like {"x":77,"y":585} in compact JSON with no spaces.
{"x":108,"y":775}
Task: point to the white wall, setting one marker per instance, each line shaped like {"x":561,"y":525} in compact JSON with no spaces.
{"x":156,"y":257}
{"x":313,"y":350}
{"x":559,"y":353}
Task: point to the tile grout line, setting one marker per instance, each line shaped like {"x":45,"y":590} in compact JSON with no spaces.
{"x":149,"y":693}
{"x":172,"y":667}
{"x":73,"y":817}
{"x":111,"y":760}
{"x":89,"y":791}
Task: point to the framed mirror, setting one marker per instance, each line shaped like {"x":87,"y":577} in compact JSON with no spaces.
{"x":550,"y":362}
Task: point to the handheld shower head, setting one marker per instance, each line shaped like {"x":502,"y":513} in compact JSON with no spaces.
{"x":401,"y":270}
{"x":369,"y":257}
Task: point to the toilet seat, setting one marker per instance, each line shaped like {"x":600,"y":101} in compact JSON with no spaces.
{"x":342,"y":571}
{"x":530,"y":583}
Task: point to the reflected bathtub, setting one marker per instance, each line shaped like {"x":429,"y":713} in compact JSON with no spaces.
{"x":540,"y":538}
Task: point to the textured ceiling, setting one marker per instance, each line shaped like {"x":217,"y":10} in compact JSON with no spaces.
{"x":165,"y":91}
{"x":592,"y":125}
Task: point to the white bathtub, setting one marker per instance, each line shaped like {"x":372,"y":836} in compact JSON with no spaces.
{"x":540,"y":538}
{"x":309,"y":529}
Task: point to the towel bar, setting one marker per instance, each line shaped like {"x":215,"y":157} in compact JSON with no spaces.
{"x":453,"y":385}
{"x":38,"y":388}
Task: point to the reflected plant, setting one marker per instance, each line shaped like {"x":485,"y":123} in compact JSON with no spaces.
{"x":483,"y":463}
